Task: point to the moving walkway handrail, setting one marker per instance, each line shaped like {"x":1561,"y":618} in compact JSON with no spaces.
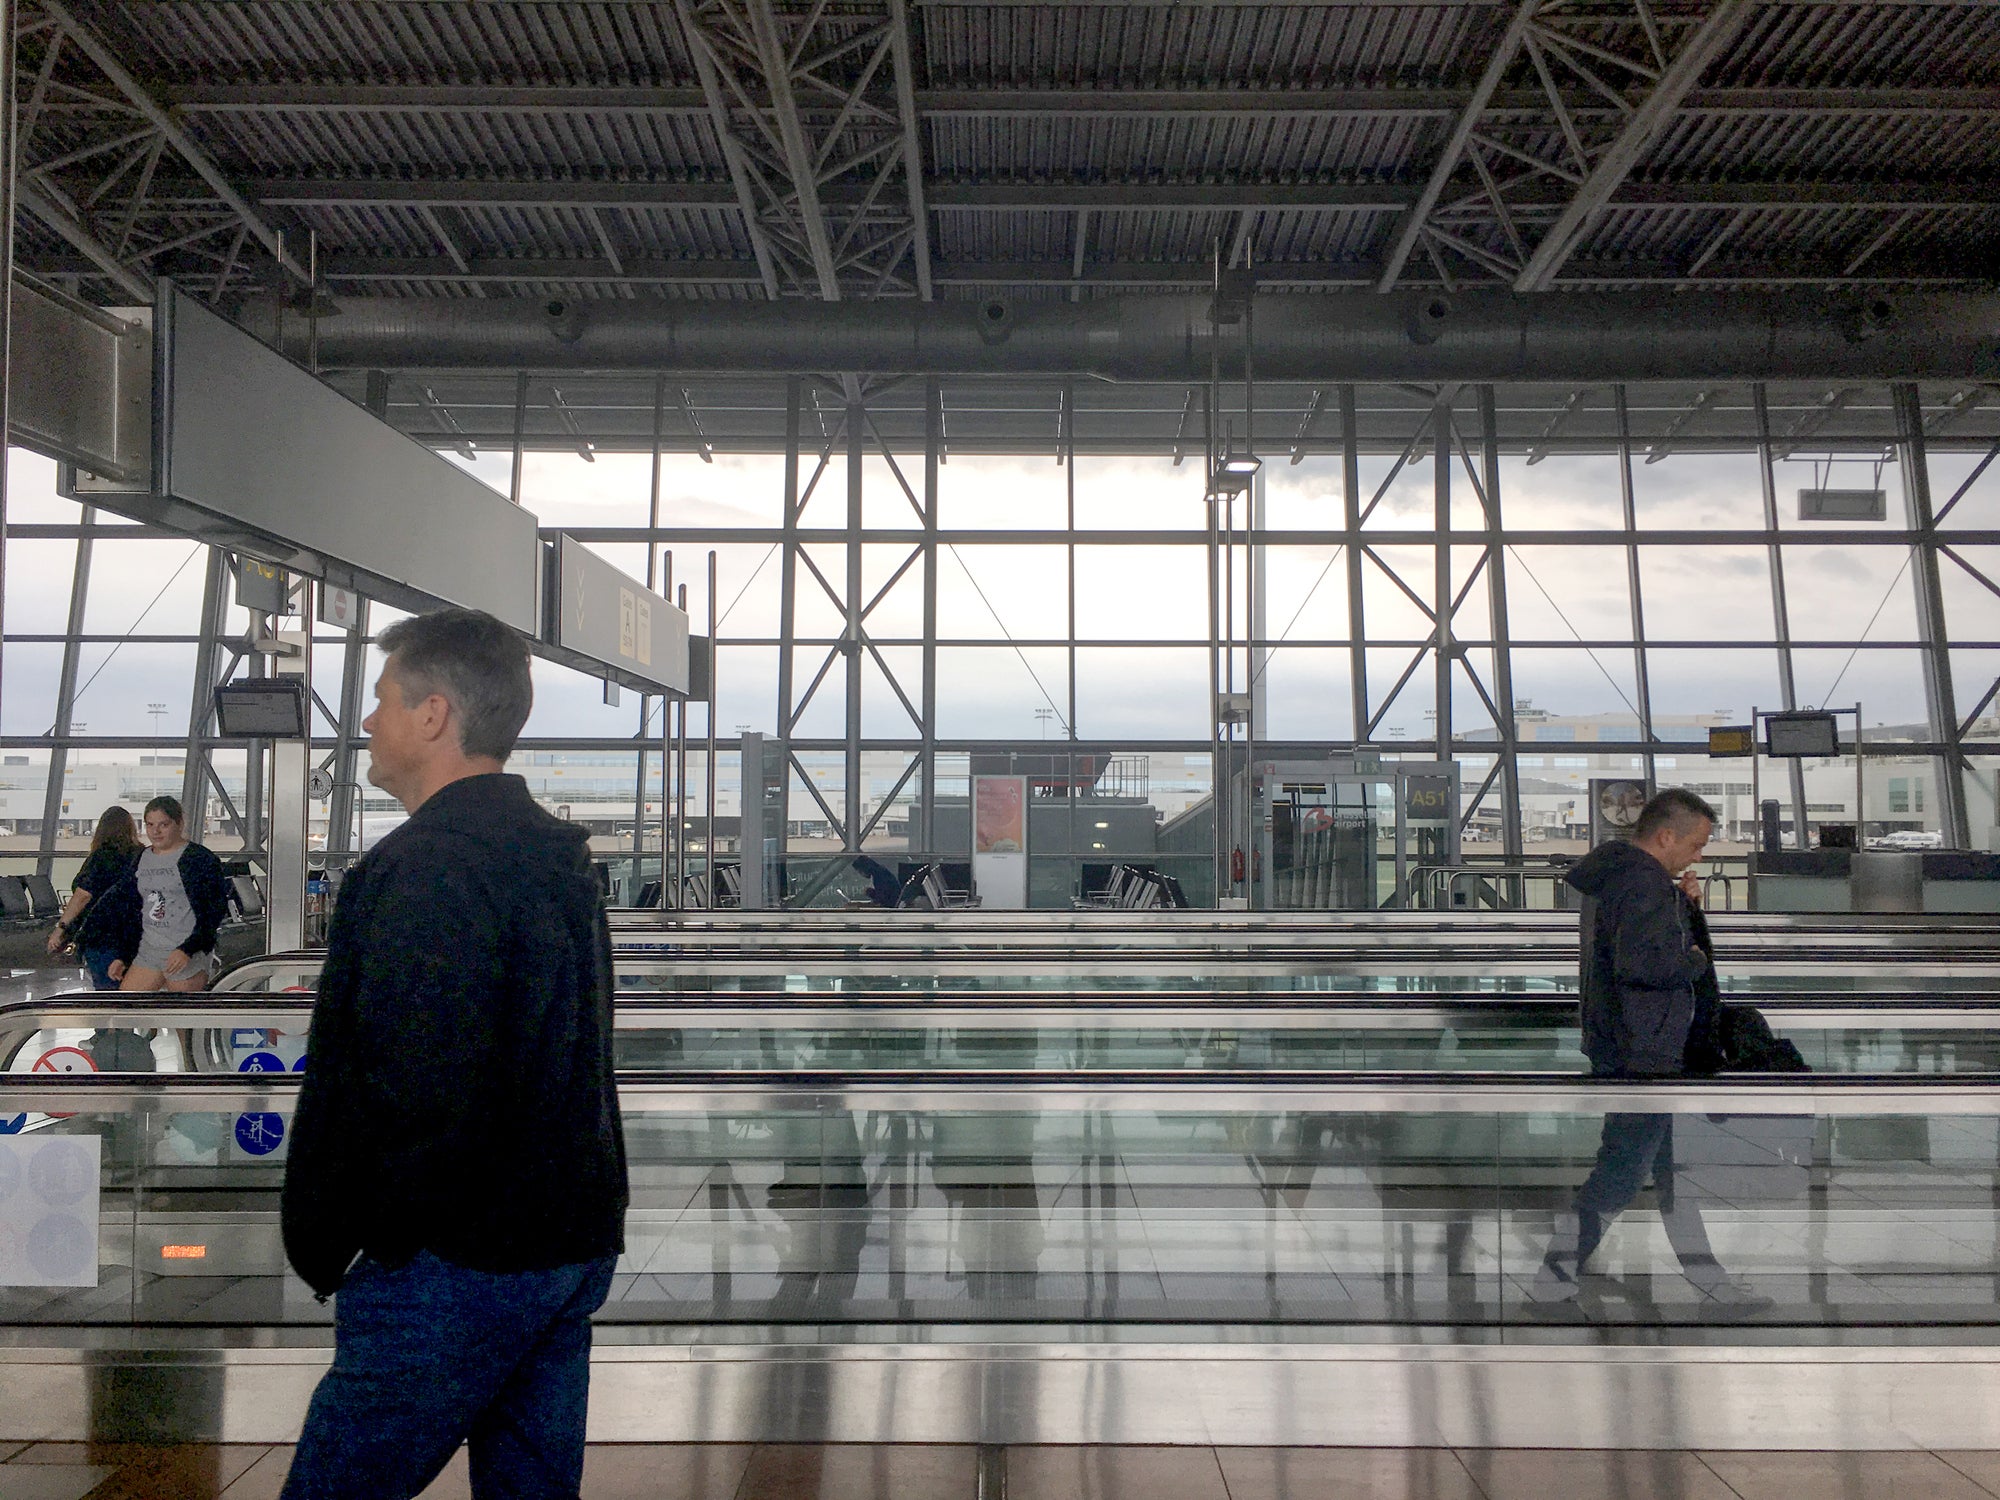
{"x":1030,"y":1010}
{"x":1226,"y":924}
{"x":1163,"y":1090}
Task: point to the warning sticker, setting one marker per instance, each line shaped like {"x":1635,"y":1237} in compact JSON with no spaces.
{"x":48,"y":1210}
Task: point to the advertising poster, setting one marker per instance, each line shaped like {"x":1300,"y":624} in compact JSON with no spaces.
{"x":1000,"y":841}
{"x":1000,"y":815}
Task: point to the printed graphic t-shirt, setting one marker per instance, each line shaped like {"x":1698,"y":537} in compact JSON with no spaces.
{"x":163,"y":900}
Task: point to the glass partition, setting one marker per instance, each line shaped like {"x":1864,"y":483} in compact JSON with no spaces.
{"x":1479,"y":1208}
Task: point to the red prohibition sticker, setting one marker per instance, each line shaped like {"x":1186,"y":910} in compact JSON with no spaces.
{"x":63,"y":1060}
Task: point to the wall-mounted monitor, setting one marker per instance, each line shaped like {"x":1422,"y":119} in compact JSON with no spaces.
{"x":1731,"y":739}
{"x":264,"y":708}
{"x":1800,"y":736}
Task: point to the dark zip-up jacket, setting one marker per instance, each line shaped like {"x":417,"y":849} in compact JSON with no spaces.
{"x":1648,"y":991}
{"x":459,"y":1095}
{"x":207,"y":892}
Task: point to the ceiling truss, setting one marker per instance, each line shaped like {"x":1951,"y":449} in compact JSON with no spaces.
{"x":1487,"y":213}
{"x":82,"y":114}
{"x":805,"y":101}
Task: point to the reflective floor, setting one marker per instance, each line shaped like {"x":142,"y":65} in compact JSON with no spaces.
{"x":698,"y":1471}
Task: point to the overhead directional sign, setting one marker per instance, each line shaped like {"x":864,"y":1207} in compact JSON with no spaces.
{"x":604,"y":622}
{"x":261,"y":457}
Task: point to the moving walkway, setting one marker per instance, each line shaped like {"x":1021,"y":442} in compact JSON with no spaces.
{"x":952,"y":1232}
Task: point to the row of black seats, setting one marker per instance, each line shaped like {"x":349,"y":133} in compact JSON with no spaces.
{"x":30,"y":900}
{"x":1129,"y":888}
{"x":27,"y":900}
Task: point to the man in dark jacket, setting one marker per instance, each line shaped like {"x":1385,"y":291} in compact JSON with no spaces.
{"x":1649,"y":1005}
{"x":457,"y":1170}
{"x":1644,"y":954}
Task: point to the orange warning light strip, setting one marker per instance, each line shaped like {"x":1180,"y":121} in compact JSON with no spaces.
{"x":183,"y":1252}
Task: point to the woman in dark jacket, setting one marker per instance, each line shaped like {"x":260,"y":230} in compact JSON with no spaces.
{"x":183,"y":899}
{"x":102,"y":914}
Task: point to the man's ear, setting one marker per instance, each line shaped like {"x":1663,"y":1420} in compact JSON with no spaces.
{"x":434,"y":717}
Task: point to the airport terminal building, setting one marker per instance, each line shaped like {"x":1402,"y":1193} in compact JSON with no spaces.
{"x":1103,"y":577}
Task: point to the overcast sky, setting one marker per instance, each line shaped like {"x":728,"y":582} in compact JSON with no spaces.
{"x":1157,"y":593}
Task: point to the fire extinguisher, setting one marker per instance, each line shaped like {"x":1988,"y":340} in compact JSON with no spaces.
{"x":1236,"y":867}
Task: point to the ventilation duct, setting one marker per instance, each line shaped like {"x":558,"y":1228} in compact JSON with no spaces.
{"x":1473,"y":336}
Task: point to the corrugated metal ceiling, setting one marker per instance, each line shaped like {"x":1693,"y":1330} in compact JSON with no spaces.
{"x":1148,"y":184}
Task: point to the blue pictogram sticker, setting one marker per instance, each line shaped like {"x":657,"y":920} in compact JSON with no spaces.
{"x":261,"y":1062}
{"x":260,"y":1134}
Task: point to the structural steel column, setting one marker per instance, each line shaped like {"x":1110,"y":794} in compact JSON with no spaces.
{"x":788,"y":572}
{"x":65,"y":699}
{"x":1642,"y":680}
{"x":1503,"y":659}
{"x":198,"y":768}
{"x":857,"y":448}
{"x":1780,"y":613}
{"x":1932,"y":626}
{"x":645,"y":701}
{"x":1442,"y":434}
{"x":1066,"y":456}
{"x":346,"y":798}
{"x":9,"y":150}
{"x":933,"y":455}
{"x":1350,"y":481}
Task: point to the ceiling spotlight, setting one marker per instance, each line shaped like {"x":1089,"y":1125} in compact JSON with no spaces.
{"x":1234,"y":474}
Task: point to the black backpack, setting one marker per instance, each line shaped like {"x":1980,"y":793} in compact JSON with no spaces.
{"x":1748,"y":1045}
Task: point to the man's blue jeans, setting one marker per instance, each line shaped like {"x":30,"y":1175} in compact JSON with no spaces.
{"x":431,"y":1355}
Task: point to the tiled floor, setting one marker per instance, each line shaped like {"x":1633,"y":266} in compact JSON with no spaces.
{"x":715,"y":1471}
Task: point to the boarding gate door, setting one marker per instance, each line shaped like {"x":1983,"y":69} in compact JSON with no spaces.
{"x":1335,"y":836}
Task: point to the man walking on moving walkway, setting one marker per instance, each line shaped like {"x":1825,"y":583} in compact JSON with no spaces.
{"x":457,"y":1172}
{"x":1650,"y":1008}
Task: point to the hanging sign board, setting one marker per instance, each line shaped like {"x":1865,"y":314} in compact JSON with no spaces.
{"x":1427,"y":798}
{"x":340,"y":608}
{"x":600,"y":620}
{"x":259,"y":456}
{"x":260,"y":586}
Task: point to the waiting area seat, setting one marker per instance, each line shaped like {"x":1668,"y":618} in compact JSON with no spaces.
{"x":246,"y":896}
{"x":719,"y":888}
{"x":1124,"y":887}
{"x":28,"y":900}
{"x":929,"y":888}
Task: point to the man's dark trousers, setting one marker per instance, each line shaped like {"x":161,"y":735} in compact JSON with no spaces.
{"x":431,"y":1355}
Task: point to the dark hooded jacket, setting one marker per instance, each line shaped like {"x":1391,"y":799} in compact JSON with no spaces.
{"x":459,"y":1095}
{"x":1649,"y":996}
